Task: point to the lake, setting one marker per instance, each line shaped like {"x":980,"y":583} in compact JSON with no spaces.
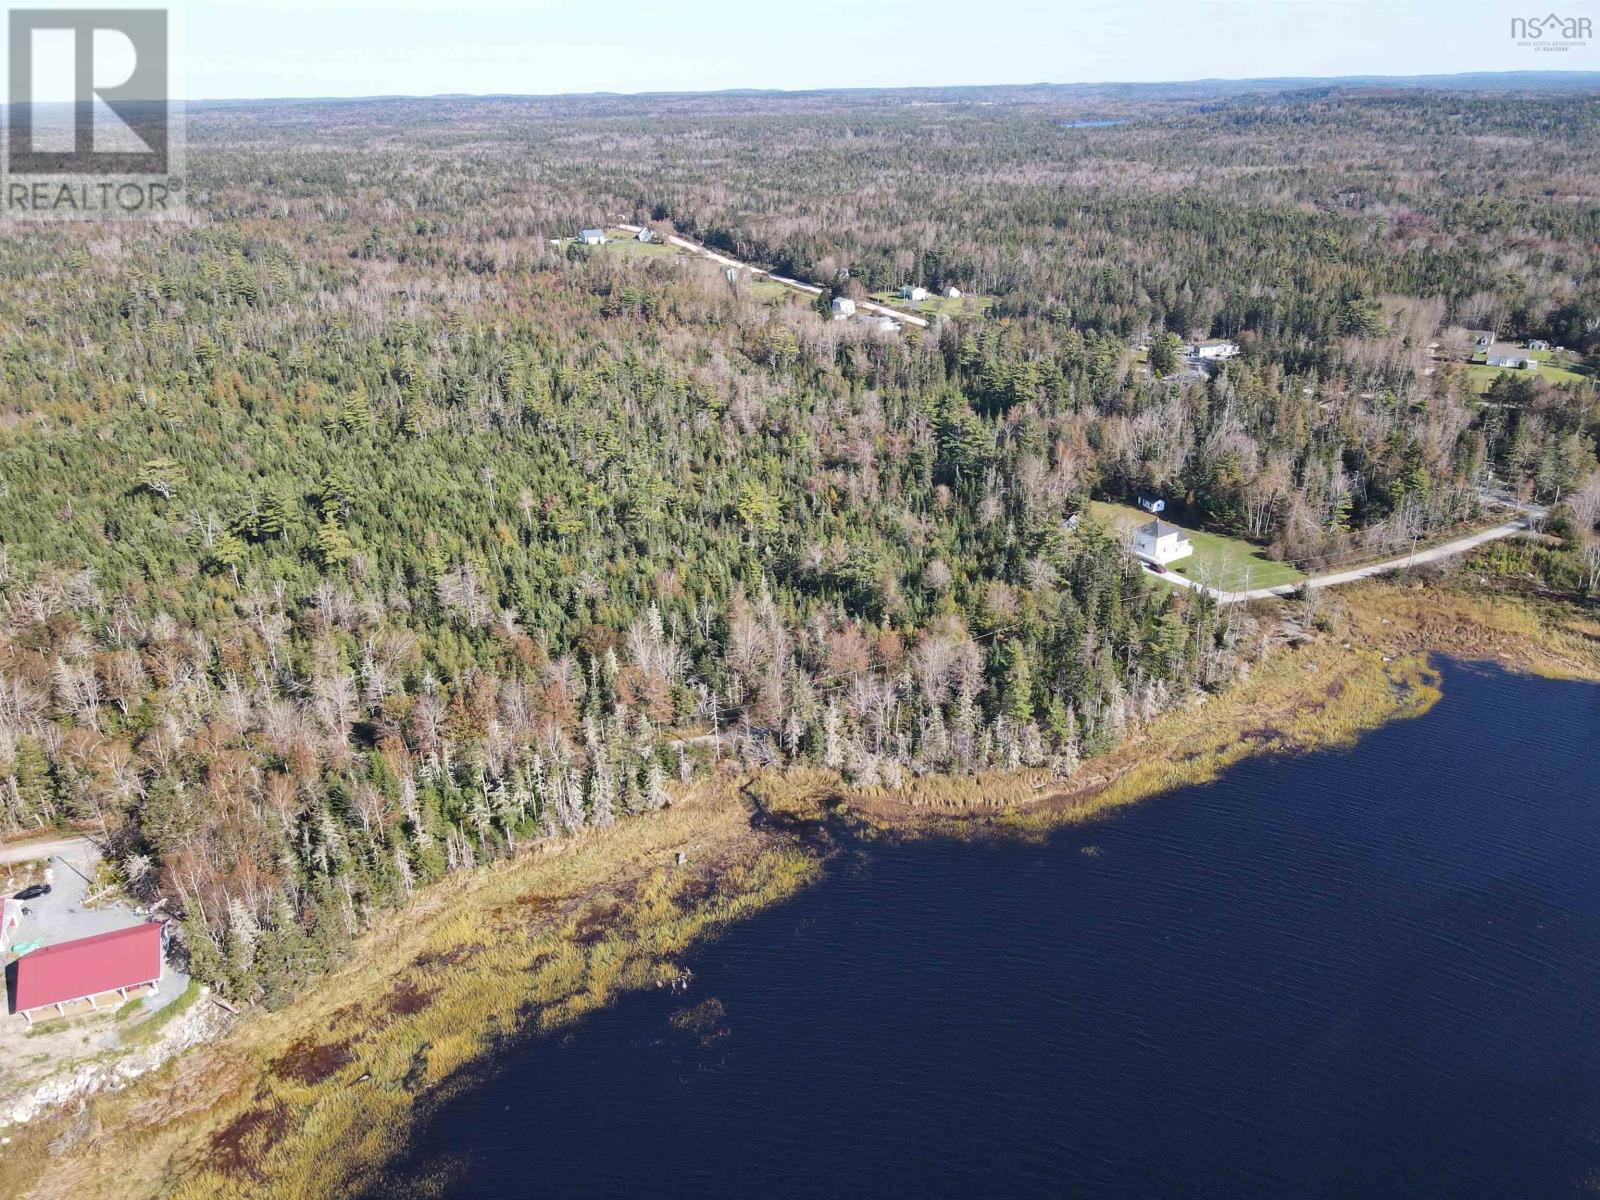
{"x":1369,"y":972}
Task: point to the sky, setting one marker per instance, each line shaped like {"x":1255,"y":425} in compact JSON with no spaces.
{"x":233,"y":49}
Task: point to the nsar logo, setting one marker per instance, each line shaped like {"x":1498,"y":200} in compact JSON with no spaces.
{"x":1552,"y":31}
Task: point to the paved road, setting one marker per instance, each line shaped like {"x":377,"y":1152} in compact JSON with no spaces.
{"x":810,"y":289}
{"x":1523,"y":524}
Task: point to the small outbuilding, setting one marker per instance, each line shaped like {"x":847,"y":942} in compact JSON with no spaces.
{"x":1538,"y":344}
{"x":1161,"y":543}
{"x":914,"y":294}
{"x":952,"y":293}
{"x":69,"y":972}
{"x":843,"y":307}
{"x":592,"y":237}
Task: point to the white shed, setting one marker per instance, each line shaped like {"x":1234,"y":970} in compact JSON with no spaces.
{"x":1161,"y":543}
{"x":592,"y":237}
{"x":952,"y":293}
{"x":914,"y":294}
{"x":1216,"y":348}
{"x":843,"y":307}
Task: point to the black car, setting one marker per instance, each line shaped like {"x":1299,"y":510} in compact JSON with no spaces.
{"x":34,"y":892}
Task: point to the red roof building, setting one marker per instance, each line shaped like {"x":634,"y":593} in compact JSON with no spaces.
{"x":82,"y":969}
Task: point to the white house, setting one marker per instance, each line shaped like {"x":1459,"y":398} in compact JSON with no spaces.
{"x":592,"y":237}
{"x":952,"y":293}
{"x":1211,"y":351}
{"x":843,"y":307}
{"x":914,"y":294}
{"x":1481,"y":339}
{"x":1161,"y":543}
{"x":644,"y":234}
{"x":1502,"y":354}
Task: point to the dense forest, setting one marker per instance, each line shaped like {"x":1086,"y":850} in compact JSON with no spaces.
{"x":357,"y":529}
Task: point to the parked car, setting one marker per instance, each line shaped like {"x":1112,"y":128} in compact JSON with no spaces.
{"x":1158,"y":568}
{"x":34,"y":892}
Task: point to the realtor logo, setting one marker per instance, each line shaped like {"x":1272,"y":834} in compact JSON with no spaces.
{"x":89,"y":120}
{"x":1552,"y":32}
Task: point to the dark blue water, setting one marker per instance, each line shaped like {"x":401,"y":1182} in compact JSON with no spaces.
{"x":1362,"y":973}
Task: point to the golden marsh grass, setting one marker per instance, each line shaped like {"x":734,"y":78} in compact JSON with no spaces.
{"x":311,"y":1102}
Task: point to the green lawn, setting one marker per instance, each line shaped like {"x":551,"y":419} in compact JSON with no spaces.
{"x":759,"y":287}
{"x":770,"y":290}
{"x":627,"y":243}
{"x":964,"y":306}
{"x":1234,"y":563}
{"x":1483,"y":376}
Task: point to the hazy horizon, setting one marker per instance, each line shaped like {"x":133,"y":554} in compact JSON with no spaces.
{"x":304,"y":49}
{"x":1575,"y":77}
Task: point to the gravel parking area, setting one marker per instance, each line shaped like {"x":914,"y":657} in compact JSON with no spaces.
{"x":62,"y":916}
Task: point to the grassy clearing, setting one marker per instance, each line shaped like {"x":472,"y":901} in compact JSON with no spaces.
{"x":771,"y":291}
{"x":944,"y":306}
{"x":1482,"y":376}
{"x":623,"y":242}
{"x":1235,"y":563}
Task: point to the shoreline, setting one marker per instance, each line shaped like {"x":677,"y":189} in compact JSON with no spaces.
{"x":315,"y":1100}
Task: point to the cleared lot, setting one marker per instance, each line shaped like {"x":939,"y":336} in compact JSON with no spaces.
{"x":67,"y":914}
{"x":1231,"y":563}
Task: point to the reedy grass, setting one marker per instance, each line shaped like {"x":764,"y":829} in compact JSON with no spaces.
{"x":1298,"y":699}
{"x":311,"y":1102}
{"x":540,"y":940}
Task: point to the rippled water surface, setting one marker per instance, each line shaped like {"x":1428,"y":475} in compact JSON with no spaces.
{"x":1364,"y":973}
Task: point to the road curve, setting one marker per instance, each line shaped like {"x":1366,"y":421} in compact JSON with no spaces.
{"x":1516,"y":528}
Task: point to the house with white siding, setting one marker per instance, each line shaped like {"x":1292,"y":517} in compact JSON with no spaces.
{"x":1503,"y":354}
{"x":1161,"y":543}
